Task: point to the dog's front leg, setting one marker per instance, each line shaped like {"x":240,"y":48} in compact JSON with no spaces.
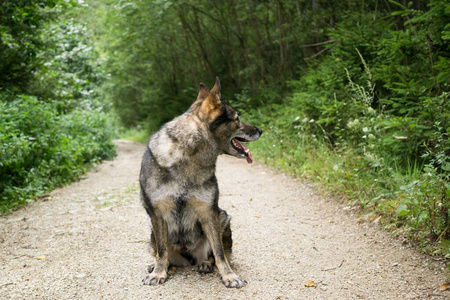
{"x":159,"y":273}
{"x":209,"y":219}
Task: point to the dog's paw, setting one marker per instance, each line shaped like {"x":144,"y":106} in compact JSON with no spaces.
{"x":205,"y":267}
{"x":233,"y":281}
{"x":155,"y":278}
{"x":151,"y":267}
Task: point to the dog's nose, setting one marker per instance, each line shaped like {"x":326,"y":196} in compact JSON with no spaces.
{"x":259,"y":131}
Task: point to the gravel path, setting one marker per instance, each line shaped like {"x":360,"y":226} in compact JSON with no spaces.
{"x":89,"y":240}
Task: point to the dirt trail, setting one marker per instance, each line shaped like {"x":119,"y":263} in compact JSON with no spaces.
{"x":90,"y":241}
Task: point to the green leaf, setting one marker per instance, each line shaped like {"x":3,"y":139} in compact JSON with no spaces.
{"x":402,"y":209}
{"x":423,"y":216}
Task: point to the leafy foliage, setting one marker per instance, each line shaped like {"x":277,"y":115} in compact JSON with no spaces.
{"x":41,"y":148}
{"x":159,"y":51}
{"x":53,"y":122}
{"x":21,"y":23}
{"x":72,"y":70}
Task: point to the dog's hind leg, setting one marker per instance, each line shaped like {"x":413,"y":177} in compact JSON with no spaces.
{"x":227,"y":238}
{"x":206,"y":266}
{"x":203,"y":256}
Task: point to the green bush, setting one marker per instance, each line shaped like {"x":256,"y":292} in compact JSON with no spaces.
{"x":53,"y":120}
{"x":41,"y":148}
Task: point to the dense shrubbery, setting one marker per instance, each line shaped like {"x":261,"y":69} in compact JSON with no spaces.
{"x":372,"y":120}
{"x":41,"y":148}
{"x":53,"y":122}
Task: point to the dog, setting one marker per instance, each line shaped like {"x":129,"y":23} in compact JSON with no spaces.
{"x":179,"y":188}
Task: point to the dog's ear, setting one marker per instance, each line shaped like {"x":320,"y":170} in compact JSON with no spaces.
{"x":216,"y":89}
{"x":213,"y":98}
{"x":204,"y":91}
{"x":212,"y":105}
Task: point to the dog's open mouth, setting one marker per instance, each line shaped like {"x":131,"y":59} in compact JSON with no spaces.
{"x":236,"y":143}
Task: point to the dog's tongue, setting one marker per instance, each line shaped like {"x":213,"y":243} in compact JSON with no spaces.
{"x":249,"y":156}
{"x":246,"y":150}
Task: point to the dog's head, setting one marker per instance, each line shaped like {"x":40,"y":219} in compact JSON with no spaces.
{"x":224,"y":123}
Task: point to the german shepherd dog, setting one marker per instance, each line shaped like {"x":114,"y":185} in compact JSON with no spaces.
{"x":179,"y":188}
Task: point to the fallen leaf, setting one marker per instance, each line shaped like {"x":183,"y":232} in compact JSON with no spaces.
{"x":258,"y":217}
{"x":310,"y":284}
{"x":235,"y":243}
{"x":444,"y":286}
{"x":373,"y":218}
{"x":251,"y":199}
{"x":40,"y":257}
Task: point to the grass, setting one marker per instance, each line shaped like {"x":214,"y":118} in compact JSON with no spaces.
{"x":136,"y":134}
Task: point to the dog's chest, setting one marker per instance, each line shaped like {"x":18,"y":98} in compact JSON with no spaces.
{"x":183,"y":224}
